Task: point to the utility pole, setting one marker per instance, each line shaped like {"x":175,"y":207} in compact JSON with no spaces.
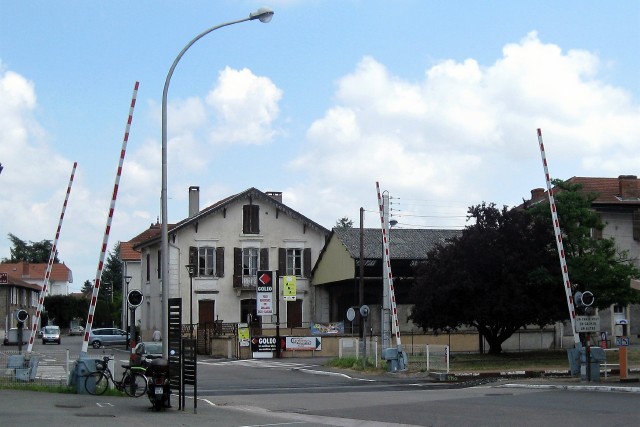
{"x":361,"y":333}
{"x":385,"y":330}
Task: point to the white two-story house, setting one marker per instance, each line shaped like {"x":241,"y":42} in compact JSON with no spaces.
{"x":228,"y":243}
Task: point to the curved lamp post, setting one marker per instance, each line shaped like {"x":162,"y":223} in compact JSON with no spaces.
{"x":263,"y":15}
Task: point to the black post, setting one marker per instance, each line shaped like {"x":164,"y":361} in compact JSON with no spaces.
{"x":20,"y":326}
{"x":361,"y":284}
{"x":588,"y":356}
{"x":132,"y":331}
{"x":278,"y":355}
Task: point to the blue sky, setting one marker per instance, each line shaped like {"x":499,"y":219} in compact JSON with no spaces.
{"x":439,"y":101}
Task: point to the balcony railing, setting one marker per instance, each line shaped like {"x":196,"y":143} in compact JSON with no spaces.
{"x":245,"y":282}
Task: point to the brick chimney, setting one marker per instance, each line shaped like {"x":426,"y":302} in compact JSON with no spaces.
{"x":628,"y":185}
{"x":277,"y":195}
{"x":194,"y":200}
{"x":537,"y":194}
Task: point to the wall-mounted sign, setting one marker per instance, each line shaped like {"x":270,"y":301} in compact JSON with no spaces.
{"x":289,"y":288}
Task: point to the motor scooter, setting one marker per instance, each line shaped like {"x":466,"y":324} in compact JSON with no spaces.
{"x":158,"y":390}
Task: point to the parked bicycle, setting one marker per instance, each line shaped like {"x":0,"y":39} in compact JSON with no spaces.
{"x":133,"y":382}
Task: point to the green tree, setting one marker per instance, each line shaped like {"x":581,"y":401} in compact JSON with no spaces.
{"x":344,"y":222}
{"x":33,"y":252}
{"x":61,"y":309}
{"x":498,"y":277}
{"x":594,"y":264}
{"x":109,"y":302}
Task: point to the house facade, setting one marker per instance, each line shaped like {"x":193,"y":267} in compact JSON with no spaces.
{"x":228,"y":243}
{"x":131,"y":260}
{"x":336,"y":275}
{"x":34,"y":273}
{"x":16,"y":294}
{"x":618,"y":204}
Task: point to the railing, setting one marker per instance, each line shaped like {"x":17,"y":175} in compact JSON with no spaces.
{"x":428,"y":358}
{"x":606,"y":364}
{"x":350,"y":347}
{"x":47,"y":368}
{"x":245,"y":282}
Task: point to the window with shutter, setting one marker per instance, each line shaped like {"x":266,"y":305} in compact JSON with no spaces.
{"x":294,"y":262}
{"x":636,"y":224}
{"x":251,"y":219}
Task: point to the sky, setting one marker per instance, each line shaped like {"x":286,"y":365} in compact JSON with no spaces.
{"x":437,"y":101}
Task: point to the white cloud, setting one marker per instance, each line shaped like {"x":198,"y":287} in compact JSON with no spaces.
{"x":245,"y":107}
{"x":467,"y":132}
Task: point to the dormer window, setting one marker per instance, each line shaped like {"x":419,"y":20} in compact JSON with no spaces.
{"x":251,"y":219}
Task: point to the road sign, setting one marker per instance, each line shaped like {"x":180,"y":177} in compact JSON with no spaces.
{"x":622,"y":341}
{"x":587,"y":323}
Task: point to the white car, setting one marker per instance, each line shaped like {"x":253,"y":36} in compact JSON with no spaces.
{"x":76,"y":330}
{"x":51,"y":334}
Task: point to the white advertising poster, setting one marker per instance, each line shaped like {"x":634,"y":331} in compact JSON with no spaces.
{"x":265,"y":303}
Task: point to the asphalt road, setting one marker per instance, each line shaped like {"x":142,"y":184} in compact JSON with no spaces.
{"x":303,"y":392}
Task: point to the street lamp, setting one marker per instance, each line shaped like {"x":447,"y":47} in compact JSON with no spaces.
{"x":263,"y":15}
{"x":191,"y":268}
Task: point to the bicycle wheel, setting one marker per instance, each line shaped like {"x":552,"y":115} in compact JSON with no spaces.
{"x":96,"y":383}
{"x":134,"y":384}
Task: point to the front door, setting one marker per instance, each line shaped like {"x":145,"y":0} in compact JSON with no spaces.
{"x":206,"y":312}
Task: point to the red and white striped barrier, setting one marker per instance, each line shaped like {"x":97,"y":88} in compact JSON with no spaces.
{"x":36,"y":320}
{"x":558,"y":233}
{"x":105,"y":240}
{"x":387,"y":261}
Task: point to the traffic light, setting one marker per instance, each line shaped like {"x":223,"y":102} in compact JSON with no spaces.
{"x":134,"y":298}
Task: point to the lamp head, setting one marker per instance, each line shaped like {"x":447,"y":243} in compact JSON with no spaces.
{"x":127,"y":279}
{"x":191,"y":268}
{"x":264,"y":14}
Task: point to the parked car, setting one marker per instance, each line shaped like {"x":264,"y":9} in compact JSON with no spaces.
{"x":76,"y":330}
{"x":51,"y":333}
{"x":108,"y":336}
{"x":144,"y":349}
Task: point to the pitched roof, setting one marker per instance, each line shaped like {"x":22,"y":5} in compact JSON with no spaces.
{"x":128,"y":250}
{"x":404,"y":243}
{"x":31,"y":271}
{"x":251,"y":193}
{"x":622,"y":191}
{"x":15,"y":281}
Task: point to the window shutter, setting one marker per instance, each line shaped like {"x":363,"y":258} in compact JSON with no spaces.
{"x":246,"y":219}
{"x":282,"y":261}
{"x":237,"y":267}
{"x":255,"y":219}
{"x":306,"y":262}
{"x":264,"y":259}
{"x":636,"y":224}
{"x":193,"y":255}
{"x":220,"y":262}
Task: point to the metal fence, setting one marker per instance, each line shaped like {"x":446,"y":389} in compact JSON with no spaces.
{"x":350,"y":347}
{"x":47,"y":368}
{"x":428,"y":358}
